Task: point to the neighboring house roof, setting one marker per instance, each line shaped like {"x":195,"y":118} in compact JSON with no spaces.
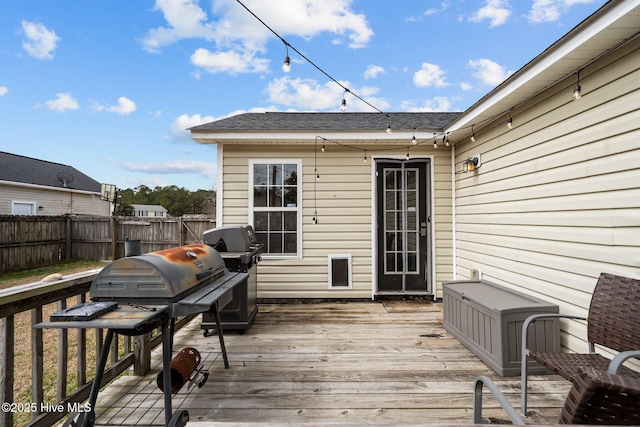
{"x":322,"y":122}
{"x":611,"y":25}
{"x":26,"y":170}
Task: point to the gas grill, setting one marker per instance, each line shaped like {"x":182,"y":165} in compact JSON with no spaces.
{"x":241,"y":252}
{"x":134,"y":295}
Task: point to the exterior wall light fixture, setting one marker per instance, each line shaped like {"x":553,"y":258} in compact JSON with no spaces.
{"x":472,"y":163}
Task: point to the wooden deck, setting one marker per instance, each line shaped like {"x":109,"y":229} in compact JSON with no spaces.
{"x":353,"y":363}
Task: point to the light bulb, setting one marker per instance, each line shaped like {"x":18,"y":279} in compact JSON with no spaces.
{"x":286,"y":67}
{"x":435,"y":143}
{"x":577,"y":92}
{"x":388,"y":129}
{"x":343,"y":107}
{"x":323,"y":147}
{"x":510,"y":123}
{"x":414,"y":141}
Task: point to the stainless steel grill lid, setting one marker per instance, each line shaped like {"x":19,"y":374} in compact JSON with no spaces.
{"x":233,"y":238}
{"x":158,"y":277}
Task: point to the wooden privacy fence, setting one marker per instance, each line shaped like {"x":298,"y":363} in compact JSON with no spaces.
{"x":51,"y":397}
{"x":33,"y":241}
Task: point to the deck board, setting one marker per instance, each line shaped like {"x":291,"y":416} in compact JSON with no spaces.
{"x":330,"y":363}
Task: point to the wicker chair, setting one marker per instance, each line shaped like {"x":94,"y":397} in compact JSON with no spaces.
{"x":612,"y":322}
{"x":596,"y":397}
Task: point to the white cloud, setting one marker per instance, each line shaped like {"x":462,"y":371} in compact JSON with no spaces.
{"x":39,"y":41}
{"x":496,"y":11}
{"x":125,"y":106}
{"x":309,"y":95}
{"x":3,"y":90}
{"x":175,"y":167}
{"x":466,"y":86}
{"x":429,"y":75}
{"x":231,"y":62}
{"x":489,"y":72}
{"x":551,"y":10}
{"x":63,"y":102}
{"x":172,"y":167}
{"x":434,"y":10}
{"x":437,"y":104}
{"x":185,"y":20}
{"x":180,"y":125}
{"x":373,"y":71}
{"x":239,"y":39}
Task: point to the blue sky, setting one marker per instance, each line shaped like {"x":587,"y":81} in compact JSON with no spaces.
{"x":109,"y":86}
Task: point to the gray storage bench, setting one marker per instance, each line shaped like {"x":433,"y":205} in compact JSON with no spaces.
{"x":487,"y":319}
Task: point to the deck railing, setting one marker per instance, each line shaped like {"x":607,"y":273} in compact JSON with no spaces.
{"x":39,"y":299}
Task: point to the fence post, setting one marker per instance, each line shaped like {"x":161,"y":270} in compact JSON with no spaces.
{"x":114,"y":238}
{"x":142,"y":354}
{"x":68,"y":233}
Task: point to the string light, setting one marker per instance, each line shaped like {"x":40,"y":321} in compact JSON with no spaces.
{"x":286,"y":66}
{"x":510,"y":121}
{"x":343,"y":107}
{"x":322,"y":146}
{"x":365,"y":156}
{"x":389,"y":128}
{"x":414,"y":141}
{"x":407,"y":154}
{"x":435,"y":142}
{"x":445,"y":139}
{"x":577,"y":90}
{"x":473,"y":135}
{"x":317,"y":175}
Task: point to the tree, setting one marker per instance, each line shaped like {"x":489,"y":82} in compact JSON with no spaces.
{"x":177,"y":200}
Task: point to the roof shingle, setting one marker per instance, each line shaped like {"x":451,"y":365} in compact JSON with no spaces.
{"x":16,"y":168}
{"x":281,"y":121}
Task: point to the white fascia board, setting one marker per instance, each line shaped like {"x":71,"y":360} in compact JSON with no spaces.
{"x":553,"y":55}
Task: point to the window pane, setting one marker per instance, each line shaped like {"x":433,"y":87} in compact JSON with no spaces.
{"x":275,"y":221}
{"x":391,"y":241}
{"x":275,"y":243}
{"x":259,"y":196}
{"x":389,"y":197}
{"x":275,"y":197}
{"x":262,"y":238}
{"x":290,"y":174}
{"x":391,"y":264}
{"x":259,"y":174}
{"x":389,"y":180}
{"x":275,"y":174}
{"x":290,"y":243}
{"x":291,"y":221}
{"x":411,"y":180}
{"x":261,"y":221}
{"x":290,"y":197}
{"x":412,"y":265}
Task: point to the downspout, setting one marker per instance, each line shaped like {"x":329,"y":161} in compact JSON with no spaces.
{"x":453,"y":210}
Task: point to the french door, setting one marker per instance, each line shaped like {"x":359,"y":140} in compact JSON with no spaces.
{"x":403,"y":226}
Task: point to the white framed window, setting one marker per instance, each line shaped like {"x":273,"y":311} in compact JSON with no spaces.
{"x":275,"y":206}
{"x":23,"y":208}
{"x":340,"y":271}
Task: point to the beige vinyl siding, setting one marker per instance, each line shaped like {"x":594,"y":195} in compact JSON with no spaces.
{"x":343,"y":198}
{"x":557,"y":198}
{"x":53,"y":201}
